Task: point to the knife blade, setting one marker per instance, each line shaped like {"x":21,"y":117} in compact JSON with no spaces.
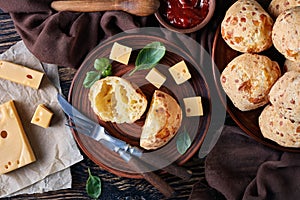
{"x":93,"y":129}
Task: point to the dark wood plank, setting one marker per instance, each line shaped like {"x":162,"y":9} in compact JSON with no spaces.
{"x":8,"y":34}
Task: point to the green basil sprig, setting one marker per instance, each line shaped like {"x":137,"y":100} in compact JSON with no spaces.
{"x":93,"y":186}
{"x":149,"y":56}
{"x":183,"y":142}
{"x":103,"y":67}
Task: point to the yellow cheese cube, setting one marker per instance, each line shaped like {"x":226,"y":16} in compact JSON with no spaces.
{"x":42,"y":116}
{"x":193,"y":106}
{"x":120,"y":53}
{"x":156,"y":78}
{"x":180,"y":72}
{"x":20,"y":74}
{"x":15,"y":150}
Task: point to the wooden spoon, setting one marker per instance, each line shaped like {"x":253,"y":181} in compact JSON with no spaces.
{"x":135,"y":7}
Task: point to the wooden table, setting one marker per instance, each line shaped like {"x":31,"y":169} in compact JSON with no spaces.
{"x":114,"y":187}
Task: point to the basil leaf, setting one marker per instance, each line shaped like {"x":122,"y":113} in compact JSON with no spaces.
{"x":107,"y":71}
{"x":103,"y":67}
{"x":183,"y":142}
{"x":93,"y":186}
{"x":101,"y":64}
{"x":90,"y":78}
{"x":149,"y":56}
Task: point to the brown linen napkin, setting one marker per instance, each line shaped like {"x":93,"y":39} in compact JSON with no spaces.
{"x":64,"y":38}
{"x":241,"y":168}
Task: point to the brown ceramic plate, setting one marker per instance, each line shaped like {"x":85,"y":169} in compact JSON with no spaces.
{"x":195,"y":126}
{"x":248,"y":121}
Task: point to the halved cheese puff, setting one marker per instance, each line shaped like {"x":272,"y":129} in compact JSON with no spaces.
{"x":162,"y":122}
{"x":115,"y":99}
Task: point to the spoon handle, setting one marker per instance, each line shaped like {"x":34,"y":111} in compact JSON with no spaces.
{"x":86,"y":5}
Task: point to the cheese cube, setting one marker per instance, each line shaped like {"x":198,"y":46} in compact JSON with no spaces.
{"x":120,"y":53}
{"x":20,"y":74}
{"x":156,"y":78}
{"x":42,"y":116}
{"x":15,"y":150}
{"x":180,"y":72}
{"x":193,"y":106}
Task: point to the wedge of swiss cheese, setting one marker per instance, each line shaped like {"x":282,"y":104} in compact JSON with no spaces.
{"x":15,"y":150}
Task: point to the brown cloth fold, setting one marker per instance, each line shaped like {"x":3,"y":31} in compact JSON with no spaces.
{"x":241,"y":168}
{"x":64,"y":38}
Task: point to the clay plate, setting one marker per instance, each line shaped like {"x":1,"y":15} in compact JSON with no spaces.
{"x":196,"y":126}
{"x":222,"y":54}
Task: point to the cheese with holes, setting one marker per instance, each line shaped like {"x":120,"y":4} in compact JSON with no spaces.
{"x":156,"y":78}
{"x":180,"y":72}
{"x":120,"y":53}
{"x":20,"y":74}
{"x":15,"y":150}
{"x":42,"y":116}
{"x":193,"y":106}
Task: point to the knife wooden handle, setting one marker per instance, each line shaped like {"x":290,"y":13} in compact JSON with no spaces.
{"x":151,"y":177}
{"x":156,"y":163}
{"x":178,"y":171}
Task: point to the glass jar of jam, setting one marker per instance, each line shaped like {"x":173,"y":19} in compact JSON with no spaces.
{"x":184,"y":13}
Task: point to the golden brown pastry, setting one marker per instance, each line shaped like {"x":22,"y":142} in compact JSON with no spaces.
{"x":162,"y":122}
{"x":279,"y":129}
{"x":286,"y":34}
{"x":114,"y":99}
{"x":247,"y":80}
{"x":247,"y":27}
{"x":285,"y":95}
{"x":278,"y":6}
{"x":291,"y":66}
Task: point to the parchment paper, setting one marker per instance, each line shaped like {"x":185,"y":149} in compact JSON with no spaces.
{"x":54,"y":147}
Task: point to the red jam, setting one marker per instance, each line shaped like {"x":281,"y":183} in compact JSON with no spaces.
{"x":185,"y":13}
